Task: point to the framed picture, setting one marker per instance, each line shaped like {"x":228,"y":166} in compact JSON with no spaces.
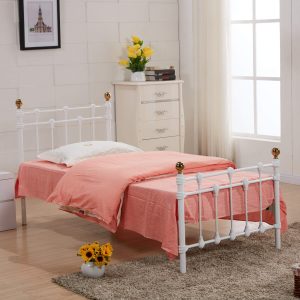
{"x":39,"y":24}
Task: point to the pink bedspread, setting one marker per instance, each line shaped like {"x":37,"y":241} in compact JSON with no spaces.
{"x":97,"y":185}
{"x":38,"y":178}
{"x":149,"y":206}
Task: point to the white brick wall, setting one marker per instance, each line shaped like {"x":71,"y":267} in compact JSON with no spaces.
{"x":94,"y":34}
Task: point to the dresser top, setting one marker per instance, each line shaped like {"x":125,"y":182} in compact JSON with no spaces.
{"x":146,"y":82}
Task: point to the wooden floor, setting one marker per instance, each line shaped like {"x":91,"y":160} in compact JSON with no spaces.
{"x":31,"y":255}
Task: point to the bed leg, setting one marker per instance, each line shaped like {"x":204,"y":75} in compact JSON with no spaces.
{"x":183,"y":262}
{"x":276,"y":165}
{"x":277,"y":239}
{"x":181,"y":216}
{"x":277,"y":218}
{"x":23,"y":207}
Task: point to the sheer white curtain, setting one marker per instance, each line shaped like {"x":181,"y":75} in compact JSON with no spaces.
{"x":212,"y":78}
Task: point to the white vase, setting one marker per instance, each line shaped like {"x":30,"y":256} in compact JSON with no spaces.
{"x":138,"y":76}
{"x":89,"y":269}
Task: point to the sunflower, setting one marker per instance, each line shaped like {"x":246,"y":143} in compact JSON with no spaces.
{"x":88,"y":255}
{"x":99,"y":260}
{"x":96,"y":246}
{"x":108,"y":246}
{"x":107,"y":249}
{"x":83,"y":249}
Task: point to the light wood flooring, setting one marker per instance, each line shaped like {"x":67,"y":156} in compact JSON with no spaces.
{"x":31,"y":255}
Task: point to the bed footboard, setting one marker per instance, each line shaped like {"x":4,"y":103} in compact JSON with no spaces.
{"x":181,"y":195}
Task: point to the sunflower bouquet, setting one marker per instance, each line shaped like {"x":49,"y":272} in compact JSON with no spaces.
{"x":138,"y":56}
{"x":98,"y":254}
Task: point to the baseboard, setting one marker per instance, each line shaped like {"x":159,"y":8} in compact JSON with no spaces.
{"x":292,"y":179}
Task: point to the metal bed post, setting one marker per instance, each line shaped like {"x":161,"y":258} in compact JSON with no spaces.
{"x":276,"y":165}
{"x":181,"y":216}
{"x":20,"y":131}
{"x":107,"y":97}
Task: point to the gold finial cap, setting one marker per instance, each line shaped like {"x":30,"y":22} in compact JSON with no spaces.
{"x":275,"y":152}
{"x":179,"y":167}
{"x":19,"y":103}
{"x":107,"y":96}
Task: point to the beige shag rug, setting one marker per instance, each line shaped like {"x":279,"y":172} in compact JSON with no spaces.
{"x":248,"y":268}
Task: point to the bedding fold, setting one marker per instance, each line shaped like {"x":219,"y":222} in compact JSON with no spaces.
{"x":97,"y":185}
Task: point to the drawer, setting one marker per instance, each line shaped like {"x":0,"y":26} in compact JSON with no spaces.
{"x":7,"y":189}
{"x":158,"y":92}
{"x":161,"y":128}
{"x":160,"y":110}
{"x":7,"y":215}
{"x":163,"y":144}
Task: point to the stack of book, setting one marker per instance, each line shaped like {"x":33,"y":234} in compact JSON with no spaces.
{"x":156,"y":74}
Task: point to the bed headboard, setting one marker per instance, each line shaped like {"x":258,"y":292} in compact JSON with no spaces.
{"x":64,"y":123}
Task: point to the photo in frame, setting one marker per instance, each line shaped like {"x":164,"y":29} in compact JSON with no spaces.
{"x":39,"y":24}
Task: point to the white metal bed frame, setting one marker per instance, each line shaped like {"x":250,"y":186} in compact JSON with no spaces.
{"x":21,"y":125}
{"x":180,"y":179}
{"x":199,"y":177}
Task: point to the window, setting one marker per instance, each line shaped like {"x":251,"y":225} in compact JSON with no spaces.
{"x":255,"y":54}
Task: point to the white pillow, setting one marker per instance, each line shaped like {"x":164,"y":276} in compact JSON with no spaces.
{"x":74,"y":153}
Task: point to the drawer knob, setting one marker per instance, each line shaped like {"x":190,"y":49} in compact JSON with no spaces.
{"x":160,"y":94}
{"x":162,"y":148}
{"x":161,"y":130}
{"x":161,"y":112}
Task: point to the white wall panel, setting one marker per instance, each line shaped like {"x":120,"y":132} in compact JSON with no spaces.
{"x":104,"y":72}
{"x":73,"y":32}
{"x":102,"y":12}
{"x":164,"y":31}
{"x":71,"y":54}
{"x":73,"y":11}
{"x":163,"y":12}
{"x":103,"y":32}
{"x":166,"y":50}
{"x":133,"y":12}
{"x":7,"y":12}
{"x":8,"y":55}
{"x":127,"y":29}
{"x":9,"y":77}
{"x":8,"y":119}
{"x":71,"y":74}
{"x":105,"y":52}
{"x":71,"y":95}
{"x":35,"y":76}
{"x":37,"y":96}
{"x":40,"y":57}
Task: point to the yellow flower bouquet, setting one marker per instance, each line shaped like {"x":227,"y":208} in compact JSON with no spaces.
{"x":95,"y":257}
{"x":138,"y":56}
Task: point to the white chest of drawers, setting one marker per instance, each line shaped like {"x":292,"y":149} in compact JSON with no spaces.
{"x":149,"y":115}
{"x":7,"y":202}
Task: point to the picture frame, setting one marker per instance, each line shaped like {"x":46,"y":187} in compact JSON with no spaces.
{"x":39,"y":24}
